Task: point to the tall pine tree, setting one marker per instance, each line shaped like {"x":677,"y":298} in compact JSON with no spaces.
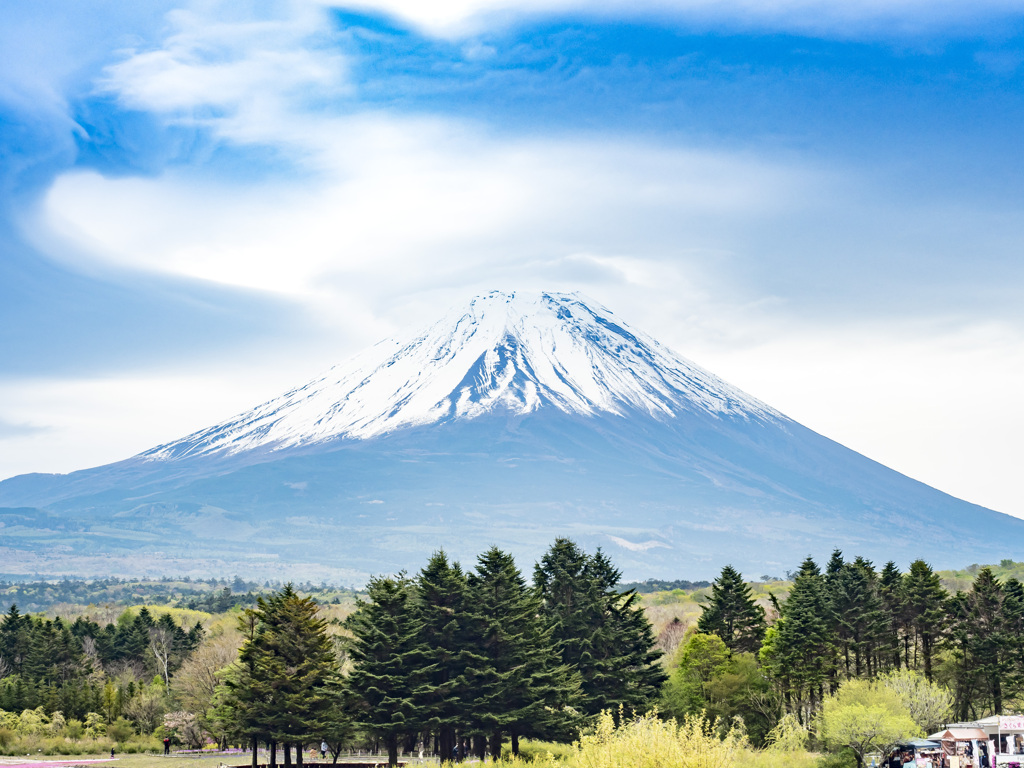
{"x":732,"y":614}
{"x":448,"y":642}
{"x":890,"y":589}
{"x":602,"y":634}
{"x":287,"y":678}
{"x":925,"y":606}
{"x":982,"y":648}
{"x":801,"y":654}
{"x":519,"y":685}
{"x":388,"y":663}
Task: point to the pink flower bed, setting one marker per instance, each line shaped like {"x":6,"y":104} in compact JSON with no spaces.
{"x":41,"y":763}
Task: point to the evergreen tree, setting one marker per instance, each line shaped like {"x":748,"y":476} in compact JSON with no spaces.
{"x":244,"y":700}
{"x":858,"y":616}
{"x":732,"y":613}
{"x":447,"y":641}
{"x":519,"y":685}
{"x":287,"y":680}
{"x":960,"y":639}
{"x":834,"y":565}
{"x":388,"y":663}
{"x":308,"y":679}
{"x":1013,"y":634}
{"x":15,"y":638}
{"x":600,"y":633}
{"x":802,"y":652}
{"x":925,"y":602}
{"x":983,"y":648}
{"x":891,"y":592}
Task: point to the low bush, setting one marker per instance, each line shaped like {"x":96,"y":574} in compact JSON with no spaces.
{"x":35,"y":744}
{"x":845,"y":758}
{"x":531,"y":750}
{"x":649,"y":742}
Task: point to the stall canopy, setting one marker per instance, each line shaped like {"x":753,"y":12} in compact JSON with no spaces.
{"x":959,"y":734}
{"x":918,"y":744}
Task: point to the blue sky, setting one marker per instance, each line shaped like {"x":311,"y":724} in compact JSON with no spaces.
{"x":202,"y":204}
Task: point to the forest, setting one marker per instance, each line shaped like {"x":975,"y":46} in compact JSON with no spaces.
{"x":483,"y":663}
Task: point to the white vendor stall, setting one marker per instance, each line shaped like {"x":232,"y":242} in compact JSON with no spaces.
{"x":989,"y":743}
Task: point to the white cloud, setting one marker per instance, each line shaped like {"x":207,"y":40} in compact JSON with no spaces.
{"x":216,"y":61}
{"x":456,"y":18}
{"x":80,"y":423}
{"x":396,"y":218}
{"x":416,"y":198}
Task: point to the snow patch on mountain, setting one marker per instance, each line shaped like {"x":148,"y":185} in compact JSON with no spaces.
{"x":509,"y":351}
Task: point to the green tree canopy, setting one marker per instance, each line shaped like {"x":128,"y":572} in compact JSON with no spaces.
{"x":732,"y":613}
{"x":603,"y":634}
{"x":866,"y":717}
{"x":387,"y":662}
{"x":520,"y":685}
{"x":286,"y":683}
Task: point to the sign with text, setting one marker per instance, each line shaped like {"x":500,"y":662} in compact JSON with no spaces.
{"x":1011,"y":723}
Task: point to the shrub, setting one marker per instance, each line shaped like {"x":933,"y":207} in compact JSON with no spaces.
{"x":33,"y":721}
{"x":34,"y":744}
{"x":648,"y":742}
{"x":531,"y":750}
{"x":845,"y":758}
{"x":120,"y":730}
{"x":57,"y":724}
{"x":95,"y":727}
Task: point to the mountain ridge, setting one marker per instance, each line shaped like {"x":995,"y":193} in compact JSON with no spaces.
{"x":494,"y":426}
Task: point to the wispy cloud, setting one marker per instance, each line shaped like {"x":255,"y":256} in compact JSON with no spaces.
{"x":217,"y":62}
{"x":10,"y":429}
{"x":416,"y":198}
{"x":454,"y":18}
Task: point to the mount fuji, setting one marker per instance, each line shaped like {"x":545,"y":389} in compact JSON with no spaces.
{"x":512,"y":420}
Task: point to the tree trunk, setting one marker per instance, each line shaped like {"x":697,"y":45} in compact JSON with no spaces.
{"x":392,"y":742}
{"x":446,"y":743}
{"x":287,"y":754}
{"x":480,"y":747}
{"x":272,"y":746}
{"x":495,"y":746}
{"x":298,"y":755}
{"x":926,"y":651}
{"x":255,"y":752}
{"x":515,"y":743}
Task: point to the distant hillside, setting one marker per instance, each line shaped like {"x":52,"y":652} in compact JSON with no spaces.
{"x":659,"y":585}
{"x":209,"y":595}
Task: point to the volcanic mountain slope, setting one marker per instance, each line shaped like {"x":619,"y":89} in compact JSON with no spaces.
{"x":510,"y":421}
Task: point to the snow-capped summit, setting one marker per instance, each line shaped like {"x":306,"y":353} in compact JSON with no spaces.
{"x":512,"y":420}
{"x":509,"y":351}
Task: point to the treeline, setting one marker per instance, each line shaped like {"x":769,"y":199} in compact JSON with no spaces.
{"x":849,"y":621}
{"x":660,"y":585}
{"x":79,"y":667}
{"x":210,"y":595}
{"x":461,"y":662}
{"x":454,"y":661}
